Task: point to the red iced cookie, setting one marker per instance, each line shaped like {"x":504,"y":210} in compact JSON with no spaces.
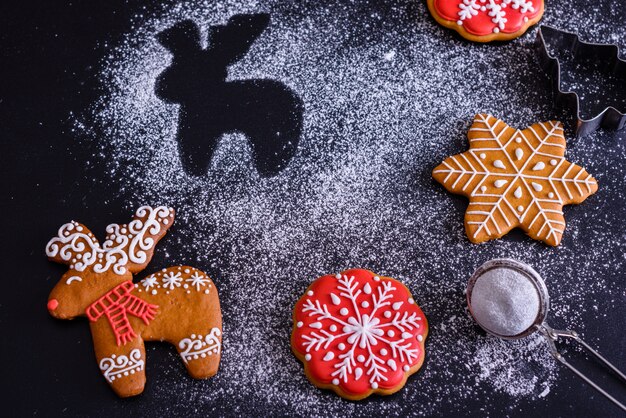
{"x":358,"y":333}
{"x":487,"y":20}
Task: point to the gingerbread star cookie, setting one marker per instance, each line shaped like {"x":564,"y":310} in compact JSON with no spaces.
{"x":487,"y":20}
{"x":515,"y":178}
{"x":358,"y":333}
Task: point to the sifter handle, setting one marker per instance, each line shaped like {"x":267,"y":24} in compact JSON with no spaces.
{"x":552,"y":335}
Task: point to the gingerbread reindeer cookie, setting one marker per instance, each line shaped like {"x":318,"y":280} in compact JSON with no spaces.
{"x":178,"y":304}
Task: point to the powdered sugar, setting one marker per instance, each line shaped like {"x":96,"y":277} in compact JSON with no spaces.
{"x":505,"y":301}
{"x":357,"y":194}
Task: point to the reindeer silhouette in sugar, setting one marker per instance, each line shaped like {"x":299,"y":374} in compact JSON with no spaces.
{"x":178,"y":304}
{"x":266,"y":111}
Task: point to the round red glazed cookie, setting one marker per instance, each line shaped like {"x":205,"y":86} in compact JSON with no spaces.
{"x":487,"y":20}
{"x":358,"y":333}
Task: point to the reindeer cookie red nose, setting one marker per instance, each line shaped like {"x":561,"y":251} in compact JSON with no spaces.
{"x":52,"y":304}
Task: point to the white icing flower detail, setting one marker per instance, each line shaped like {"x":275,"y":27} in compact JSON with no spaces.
{"x":497,"y":14}
{"x":198,"y":280}
{"x":149,"y":282}
{"x":496,"y":9}
{"x":468,"y":8}
{"x":171,"y":280}
{"x":524,"y":6}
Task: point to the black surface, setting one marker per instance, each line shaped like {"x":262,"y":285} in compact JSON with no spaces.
{"x":48,"y":68}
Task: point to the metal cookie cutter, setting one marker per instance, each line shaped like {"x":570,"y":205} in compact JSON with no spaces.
{"x":610,"y":117}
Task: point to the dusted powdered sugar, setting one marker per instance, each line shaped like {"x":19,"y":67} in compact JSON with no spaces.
{"x":387,"y":94}
{"x":504,"y":301}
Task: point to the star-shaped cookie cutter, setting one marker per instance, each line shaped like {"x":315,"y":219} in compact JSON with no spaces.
{"x":610,"y":117}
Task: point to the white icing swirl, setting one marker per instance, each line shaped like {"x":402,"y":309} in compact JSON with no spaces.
{"x":198,"y":346}
{"x":116,"y":367}
{"x":124,"y":244}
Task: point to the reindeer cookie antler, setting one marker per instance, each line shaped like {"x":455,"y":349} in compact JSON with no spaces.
{"x":178,"y":304}
{"x":128,"y":246}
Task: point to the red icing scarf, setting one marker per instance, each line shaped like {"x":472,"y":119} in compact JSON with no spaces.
{"x":116,"y":304}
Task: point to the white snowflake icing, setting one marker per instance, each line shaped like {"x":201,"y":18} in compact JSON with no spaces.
{"x":524,"y":6}
{"x":497,"y":15}
{"x":495,"y":9}
{"x":197,"y":280}
{"x":171,"y":280}
{"x":149,"y":282}
{"x":468,"y":8}
{"x":363,"y":329}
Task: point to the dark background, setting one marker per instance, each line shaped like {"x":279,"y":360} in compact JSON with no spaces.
{"x":48,"y":71}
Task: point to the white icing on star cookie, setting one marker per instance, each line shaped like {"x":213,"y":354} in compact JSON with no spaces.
{"x":526,"y":184}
